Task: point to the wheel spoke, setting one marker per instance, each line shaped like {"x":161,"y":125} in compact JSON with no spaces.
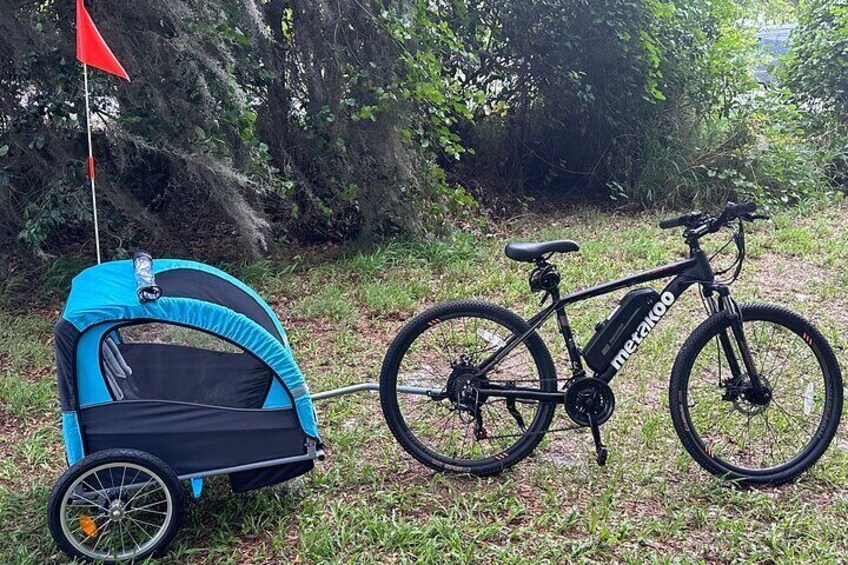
{"x":132,"y":539}
{"x":121,"y":487}
{"x":141,"y":522}
{"x":78,"y":496}
{"x":735,"y":430}
{"x":447,"y":355}
{"x":144,"y":486}
{"x":123,"y":544}
{"x":147,"y":506}
{"x":105,"y":534}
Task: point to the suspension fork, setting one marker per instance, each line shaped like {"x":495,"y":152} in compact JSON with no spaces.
{"x":724,"y":303}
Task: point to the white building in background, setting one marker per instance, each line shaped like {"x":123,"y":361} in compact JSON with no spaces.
{"x":774,"y":42}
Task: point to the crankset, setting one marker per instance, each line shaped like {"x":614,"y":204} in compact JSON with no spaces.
{"x":590,"y":402}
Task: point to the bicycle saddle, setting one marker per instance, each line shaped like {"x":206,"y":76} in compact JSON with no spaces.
{"x":529,"y":252}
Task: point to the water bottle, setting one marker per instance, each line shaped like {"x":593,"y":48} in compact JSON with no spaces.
{"x":145,"y":281}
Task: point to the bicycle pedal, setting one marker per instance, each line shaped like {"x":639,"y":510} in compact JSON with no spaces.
{"x":602,"y":455}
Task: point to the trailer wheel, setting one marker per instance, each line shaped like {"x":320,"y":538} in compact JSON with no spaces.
{"x":116,"y":505}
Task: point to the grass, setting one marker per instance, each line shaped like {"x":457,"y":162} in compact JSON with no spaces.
{"x":371,"y":503}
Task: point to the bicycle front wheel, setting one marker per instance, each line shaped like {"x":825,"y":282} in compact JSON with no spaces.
{"x":717,"y":417}
{"x":442,"y":350}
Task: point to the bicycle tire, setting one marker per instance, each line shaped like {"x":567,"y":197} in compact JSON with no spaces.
{"x":831,"y":407}
{"x":389,"y":399}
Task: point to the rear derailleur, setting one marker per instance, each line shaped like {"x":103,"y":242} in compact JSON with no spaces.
{"x":463,"y":392}
{"x":590,"y":402}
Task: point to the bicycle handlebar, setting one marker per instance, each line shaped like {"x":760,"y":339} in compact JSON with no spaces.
{"x":683,"y":220}
{"x":704,"y":223}
{"x":731,"y":212}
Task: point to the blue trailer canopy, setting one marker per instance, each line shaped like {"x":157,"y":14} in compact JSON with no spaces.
{"x":115,"y":391}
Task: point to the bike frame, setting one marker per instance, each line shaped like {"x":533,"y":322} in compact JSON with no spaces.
{"x":695,"y":269}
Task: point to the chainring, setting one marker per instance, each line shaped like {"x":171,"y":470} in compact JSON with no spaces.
{"x":589,"y":396}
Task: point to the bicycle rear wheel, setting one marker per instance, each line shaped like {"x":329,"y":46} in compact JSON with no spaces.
{"x":442,"y":349}
{"x":754,"y":442}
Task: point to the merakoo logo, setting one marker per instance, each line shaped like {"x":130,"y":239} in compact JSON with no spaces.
{"x":657,"y":312}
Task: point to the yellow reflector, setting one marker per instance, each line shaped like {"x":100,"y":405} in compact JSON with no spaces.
{"x":88,"y":526}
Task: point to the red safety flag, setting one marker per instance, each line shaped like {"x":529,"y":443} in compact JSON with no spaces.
{"x":92,"y":49}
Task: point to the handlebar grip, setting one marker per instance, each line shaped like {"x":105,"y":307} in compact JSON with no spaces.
{"x":669,"y":223}
{"x":686,"y":220}
{"x":731,"y":212}
{"x":744,"y":208}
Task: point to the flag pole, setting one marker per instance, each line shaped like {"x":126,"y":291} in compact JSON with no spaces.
{"x":91,"y":162}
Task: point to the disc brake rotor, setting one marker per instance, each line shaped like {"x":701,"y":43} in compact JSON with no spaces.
{"x":744,"y":406}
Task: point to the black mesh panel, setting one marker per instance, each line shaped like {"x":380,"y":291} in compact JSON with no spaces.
{"x":65,"y":338}
{"x":200,"y":285}
{"x":200,"y":376}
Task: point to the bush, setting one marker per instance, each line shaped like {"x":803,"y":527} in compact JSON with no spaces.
{"x":816,"y":76}
{"x":255,"y":119}
{"x":816,"y":71}
{"x":601,"y":98}
{"x":277,"y":120}
{"x":764,"y":150}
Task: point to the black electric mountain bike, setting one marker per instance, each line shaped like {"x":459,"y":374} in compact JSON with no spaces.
{"x":755,"y":393}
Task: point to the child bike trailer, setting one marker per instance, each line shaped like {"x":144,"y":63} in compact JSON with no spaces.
{"x":168,"y":371}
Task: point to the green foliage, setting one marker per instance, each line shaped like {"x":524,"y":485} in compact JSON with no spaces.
{"x":815,"y":74}
{"x":817,"y":68}
{"x":786,"y":164}
{"x":277,"y":120}
{"x":187,"y":120}
{"x":279,"y":114}
{"x":426,"y":41}
{"x":762,"y":150}
{"x":772,"y":11}
{"x":581,"y":97}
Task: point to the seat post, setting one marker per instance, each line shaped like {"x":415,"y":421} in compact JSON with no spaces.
{"x":545,"y":277}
